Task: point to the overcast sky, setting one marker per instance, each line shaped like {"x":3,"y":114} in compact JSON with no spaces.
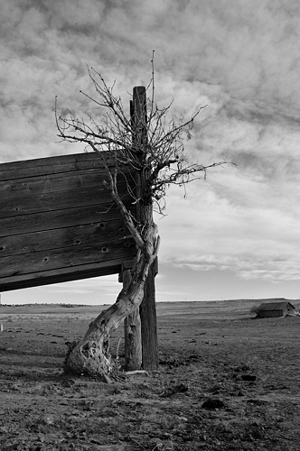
{"x":235,"y":235}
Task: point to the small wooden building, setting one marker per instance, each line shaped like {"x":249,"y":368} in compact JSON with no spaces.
{"x":275,"y":309}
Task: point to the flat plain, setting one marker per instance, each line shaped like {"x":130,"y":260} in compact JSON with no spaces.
{"x":226,"y":381}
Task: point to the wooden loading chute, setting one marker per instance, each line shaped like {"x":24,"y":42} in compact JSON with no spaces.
{"x":58,"y":222}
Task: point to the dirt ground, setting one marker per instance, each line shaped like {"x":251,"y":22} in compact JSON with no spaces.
{"x":226,"y":382}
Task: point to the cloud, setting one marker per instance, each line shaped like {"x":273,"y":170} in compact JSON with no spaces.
{"x":239,"y":58}
{"x":220,"y":228}
{"x":79,"y":16}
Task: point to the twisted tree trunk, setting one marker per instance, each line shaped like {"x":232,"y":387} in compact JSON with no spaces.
{"x":91,"y":355}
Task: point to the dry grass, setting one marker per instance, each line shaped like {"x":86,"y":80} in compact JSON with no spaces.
{"x":226,"y":382}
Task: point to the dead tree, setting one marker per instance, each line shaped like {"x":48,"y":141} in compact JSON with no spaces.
{"x":152,"y":145}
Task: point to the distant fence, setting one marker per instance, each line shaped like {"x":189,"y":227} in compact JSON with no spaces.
{"x":58,"y":222}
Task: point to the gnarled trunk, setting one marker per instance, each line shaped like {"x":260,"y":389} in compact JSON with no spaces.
{"x":91,"y":355}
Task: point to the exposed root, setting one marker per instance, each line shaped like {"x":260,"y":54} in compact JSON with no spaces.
{"x":132,"y":373}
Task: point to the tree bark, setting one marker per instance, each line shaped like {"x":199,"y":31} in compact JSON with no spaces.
{"x":91,"y":355}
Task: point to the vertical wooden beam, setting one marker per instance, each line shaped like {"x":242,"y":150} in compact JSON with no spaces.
{"x":132,"y":331}
{"x":144,"y":212}
{"x":149,"y":323}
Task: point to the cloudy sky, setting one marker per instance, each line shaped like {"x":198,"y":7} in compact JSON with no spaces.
{"x":234,"y":235}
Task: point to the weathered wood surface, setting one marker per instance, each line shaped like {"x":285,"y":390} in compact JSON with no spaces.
{"x":40,"y":278}
{"x":15,"y":203}
{"x":150,"y":355}
{"x":132,"y":333}
{"x":52,"y":165}
{"x":150,"y":358}
{"x":58,"y":222}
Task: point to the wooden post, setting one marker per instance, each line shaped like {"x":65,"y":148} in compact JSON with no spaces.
{"x":132,"y":331}
{"x":144,"y":209}
{"x":149,"y":324}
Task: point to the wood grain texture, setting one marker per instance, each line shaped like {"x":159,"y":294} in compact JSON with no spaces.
{"x":64,"y":257}
{"x":57,"y":220}
{"x":63,"y":275}
{"x":53,"y":165}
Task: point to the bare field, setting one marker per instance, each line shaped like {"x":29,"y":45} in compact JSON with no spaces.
{"x":226,"y":382}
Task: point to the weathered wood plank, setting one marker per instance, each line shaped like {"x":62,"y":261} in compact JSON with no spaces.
{"x":64,"y":275}
{"x":58,"y":219}
{"x":55,"y":182}
{"x":79,"y":235}
{"x":52,"y":165}
{"x":24,"y":204}
{"x":57,"y":259}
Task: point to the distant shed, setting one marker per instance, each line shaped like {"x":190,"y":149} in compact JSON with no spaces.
{"x":275,"y":309}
